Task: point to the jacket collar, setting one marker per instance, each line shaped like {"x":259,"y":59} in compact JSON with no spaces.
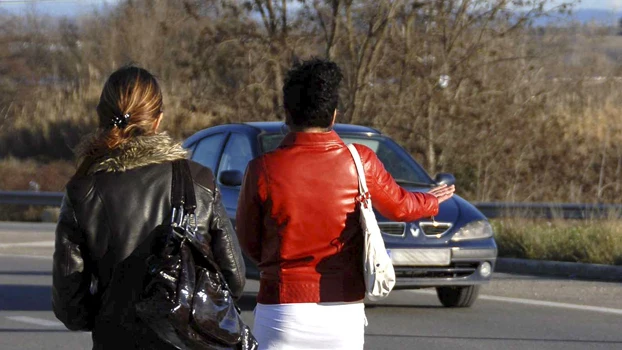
{"x":311,"y":138}
{"x":138,"y":152}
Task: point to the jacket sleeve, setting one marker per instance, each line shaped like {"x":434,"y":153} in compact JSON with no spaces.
{"x":226,"y":247}
{"x":72,"y":301}
{"x":389,"y":198}
{"x":249,"y":214}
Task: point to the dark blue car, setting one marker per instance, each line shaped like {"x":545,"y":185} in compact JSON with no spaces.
{"x":454,"y":251}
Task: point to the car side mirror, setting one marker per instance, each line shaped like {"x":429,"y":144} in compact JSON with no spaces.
{"x":445,"y":179}
{"x":231,"y":178}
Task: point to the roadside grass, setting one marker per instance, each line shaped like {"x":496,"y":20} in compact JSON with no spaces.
{"x":586,"y":241}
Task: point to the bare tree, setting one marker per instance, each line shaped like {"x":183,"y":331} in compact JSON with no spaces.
{"x":466,"y":86}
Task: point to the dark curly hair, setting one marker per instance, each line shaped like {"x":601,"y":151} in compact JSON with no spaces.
{"x":311,"y":93}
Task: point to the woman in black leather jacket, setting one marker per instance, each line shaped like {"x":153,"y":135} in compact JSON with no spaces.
{"x":119,"y":195}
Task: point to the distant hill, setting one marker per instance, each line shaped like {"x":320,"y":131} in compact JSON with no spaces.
{"x":607,"y":17}
{"x":584,"y":16}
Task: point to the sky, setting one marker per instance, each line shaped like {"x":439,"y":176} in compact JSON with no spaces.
{"x":76,"y":7}
{"x":602,"y":4}
{"x":54,"y":7}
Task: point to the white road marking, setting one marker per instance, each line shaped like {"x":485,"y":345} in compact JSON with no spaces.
{"x":553,"y":304}
{"x":540,"y":303}
{"x":35,"y":321}
{"x":37,"y":244}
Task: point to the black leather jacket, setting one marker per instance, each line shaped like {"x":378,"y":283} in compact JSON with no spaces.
{"x":104,"y":217}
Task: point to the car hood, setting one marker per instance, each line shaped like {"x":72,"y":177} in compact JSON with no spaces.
{"x":449,"y":210}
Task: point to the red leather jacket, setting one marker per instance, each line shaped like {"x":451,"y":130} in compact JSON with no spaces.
{"x":297,"y":218}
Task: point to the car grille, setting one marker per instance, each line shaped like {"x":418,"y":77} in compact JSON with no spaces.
{"x":392,"y":228}
{"x":453,"y":271}
{"x":434,"y":229}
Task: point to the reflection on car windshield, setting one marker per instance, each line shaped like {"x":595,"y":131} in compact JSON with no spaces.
{"x":401,"y":170}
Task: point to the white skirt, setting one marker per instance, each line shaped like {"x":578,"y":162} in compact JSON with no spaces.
{"x":307,"y":326}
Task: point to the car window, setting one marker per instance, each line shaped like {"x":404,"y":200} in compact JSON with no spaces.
{"x":396,"y":166}
{"x":269,"y":142}
{"x":390,"y":154}
{"x":374,"y":145}
{"x":237,"y":154}
{"x":393,"y":163}
{"x":208,"y":150}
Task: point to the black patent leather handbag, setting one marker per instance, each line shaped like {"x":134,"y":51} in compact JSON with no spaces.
{"x":185,"y":299}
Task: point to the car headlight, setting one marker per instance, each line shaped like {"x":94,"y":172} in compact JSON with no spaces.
{"x":474,"y":230}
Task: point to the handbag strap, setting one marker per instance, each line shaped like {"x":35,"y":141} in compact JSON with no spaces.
{"x":182,"y":187}
{"x":182,"y":180}
{"x":177,"y":195}
{"x":190,"y":200}
{"x":363,"y":191}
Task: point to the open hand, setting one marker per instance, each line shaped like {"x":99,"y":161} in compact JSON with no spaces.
{"x":443,"y":192}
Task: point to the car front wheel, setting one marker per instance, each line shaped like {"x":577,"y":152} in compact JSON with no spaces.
{"x":457,"y":296}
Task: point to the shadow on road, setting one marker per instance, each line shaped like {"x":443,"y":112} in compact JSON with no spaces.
{"x":39,"y":298}
{"x":25,"y":298}
{"x":248,"y":301}
{"x":505,"y":339}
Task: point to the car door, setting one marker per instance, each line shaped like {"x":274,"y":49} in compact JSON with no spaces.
{"x":237,"y":153}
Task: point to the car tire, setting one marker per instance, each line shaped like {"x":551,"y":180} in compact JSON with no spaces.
{"x":457,"y":296}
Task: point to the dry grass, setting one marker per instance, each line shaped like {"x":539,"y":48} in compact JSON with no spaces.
{"x":17,"y":174}
{"x":589,"y":241}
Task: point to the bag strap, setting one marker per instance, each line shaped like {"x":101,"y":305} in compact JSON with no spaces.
{"x":182,"y":194}
{"x":177,"y":201}
{"x":177,"y":196}
{"x":190,"y":204}
{"x":363,"y":191}
{"x":190,"y":200}
{"x":182,"y":187}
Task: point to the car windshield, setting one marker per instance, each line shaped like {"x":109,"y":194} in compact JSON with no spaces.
{"x":396,"y":161}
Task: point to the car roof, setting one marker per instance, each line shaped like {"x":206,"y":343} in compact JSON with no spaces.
{"x":275,"y":127}
{"x":270,"y":128}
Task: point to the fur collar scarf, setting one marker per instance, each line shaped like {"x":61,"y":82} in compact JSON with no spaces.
{"x":136,"y":152}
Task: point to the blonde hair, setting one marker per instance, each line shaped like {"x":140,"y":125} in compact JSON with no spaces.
{"x":129,"y":105}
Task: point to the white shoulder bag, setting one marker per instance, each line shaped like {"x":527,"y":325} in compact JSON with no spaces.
{"x":377,"y":266}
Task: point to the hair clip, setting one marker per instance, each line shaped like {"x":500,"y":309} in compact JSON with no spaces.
{"x":120,"y":121}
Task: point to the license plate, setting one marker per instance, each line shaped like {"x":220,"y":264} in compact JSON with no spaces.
{"x":420,"y":257}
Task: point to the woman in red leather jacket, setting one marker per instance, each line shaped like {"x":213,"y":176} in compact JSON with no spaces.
{"x":297,"y":220}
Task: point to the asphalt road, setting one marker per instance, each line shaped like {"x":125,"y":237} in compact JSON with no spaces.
{"x":513,"y":312}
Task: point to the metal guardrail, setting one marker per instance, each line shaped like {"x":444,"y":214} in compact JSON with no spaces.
{"x":490,"y":209}
{"x":52,"y":199}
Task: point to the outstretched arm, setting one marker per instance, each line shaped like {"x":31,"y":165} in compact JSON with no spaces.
{"x":391,"y":200}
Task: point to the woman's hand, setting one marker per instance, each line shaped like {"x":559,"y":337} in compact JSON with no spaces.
{"x":443,"y":192}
